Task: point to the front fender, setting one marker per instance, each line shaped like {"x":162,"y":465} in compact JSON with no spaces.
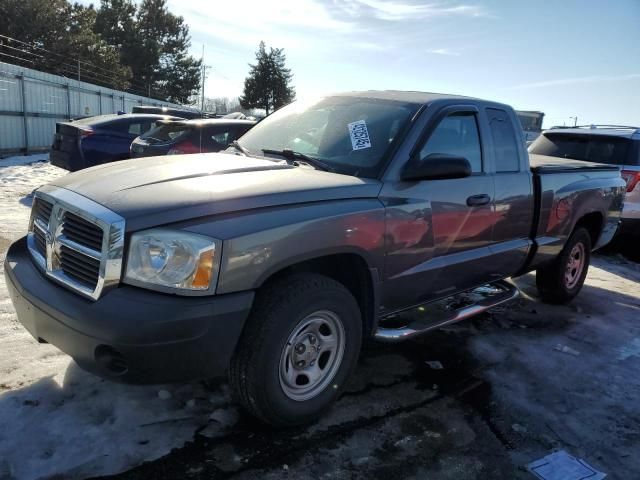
{"x":260,"y":243}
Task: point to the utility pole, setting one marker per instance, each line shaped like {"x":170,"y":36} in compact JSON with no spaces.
{"x":202,"y":80}
{"x":78,"y":69}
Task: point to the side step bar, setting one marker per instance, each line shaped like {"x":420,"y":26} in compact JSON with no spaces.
{"x":420,"y":320}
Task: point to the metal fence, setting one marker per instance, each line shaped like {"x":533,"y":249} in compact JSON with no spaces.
{"x":31,"y":102}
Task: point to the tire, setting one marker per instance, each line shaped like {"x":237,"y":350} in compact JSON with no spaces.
{"x":268,"y":370}
{"x":561,"y":280}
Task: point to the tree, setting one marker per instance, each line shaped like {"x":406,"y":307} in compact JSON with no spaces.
{"x":57,"y":37}
{"x":154,"y":43}
{"x":268,"y":85}
{"x":224,"y":105}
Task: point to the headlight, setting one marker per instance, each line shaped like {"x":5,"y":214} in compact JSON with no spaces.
{"x":172,"y":260}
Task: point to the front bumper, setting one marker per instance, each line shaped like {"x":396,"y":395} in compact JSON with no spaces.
{"x":131,"y":334}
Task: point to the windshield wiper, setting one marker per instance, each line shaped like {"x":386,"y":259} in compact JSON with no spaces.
{"x":240,"y":148}
{"x":294,"y":157}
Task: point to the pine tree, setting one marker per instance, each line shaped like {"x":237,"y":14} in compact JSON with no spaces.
{"x":268,"y":85}
{"x":154,"y":43}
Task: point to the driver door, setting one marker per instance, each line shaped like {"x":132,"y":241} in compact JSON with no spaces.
{"x":439,"y":231}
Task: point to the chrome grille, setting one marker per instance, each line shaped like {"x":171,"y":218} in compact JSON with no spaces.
{"x":79,"y":230}
{"x":42,"y":210}
{"x":75,"y":241}
{"x":41,"y":215}
{"x":80,"y":267}
{"x":40,"y":241}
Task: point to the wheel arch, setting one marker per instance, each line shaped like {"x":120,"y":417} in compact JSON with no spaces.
{"x":348,"y":267}
{"x":593,"y":222}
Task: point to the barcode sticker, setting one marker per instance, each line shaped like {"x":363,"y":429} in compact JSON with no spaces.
{"x":359,"y":135}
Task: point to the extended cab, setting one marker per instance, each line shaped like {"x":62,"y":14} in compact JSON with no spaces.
{"x":274,"y":260}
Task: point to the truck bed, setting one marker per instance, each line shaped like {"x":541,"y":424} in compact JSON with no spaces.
{"x":567,"y":190}
{"x":545,"y":164}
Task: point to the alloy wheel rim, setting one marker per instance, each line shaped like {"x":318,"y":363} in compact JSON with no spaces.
{"x":312,"y":355}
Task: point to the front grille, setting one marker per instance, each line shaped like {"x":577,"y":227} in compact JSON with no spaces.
{"x":41,"y":243}
{"x":41,"y":216}
{"x":42,"y":210}
{"x":79,"y":266}
{"x":81,"y":231}
{"x":76,"y":241}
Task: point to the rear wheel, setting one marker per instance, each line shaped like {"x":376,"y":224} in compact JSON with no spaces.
{"x":299,"y":346}
{"x":561,"y":280}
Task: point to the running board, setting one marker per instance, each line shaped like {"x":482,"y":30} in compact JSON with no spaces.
{"x":434,"y":315}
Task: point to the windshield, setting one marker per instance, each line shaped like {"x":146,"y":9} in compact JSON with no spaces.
{"x":352,"y":135}
{"x":165,"y":133}
{"x":591,"y":148}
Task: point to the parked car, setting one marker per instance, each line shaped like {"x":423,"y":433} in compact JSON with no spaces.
{"x":189,"y":136}
{"x":610,"y":144}
{"x":96,"y":140}
{"x":176,"y":112}
{"x":273,"y":263}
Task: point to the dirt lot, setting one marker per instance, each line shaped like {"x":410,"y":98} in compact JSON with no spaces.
{"x":515,"y":384}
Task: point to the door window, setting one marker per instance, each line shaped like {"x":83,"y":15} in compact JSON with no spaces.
{"x":138,"y":128}
{"x":456,"y":134}
{"x":222,"y":138}
{"x":504,"y":141}
{"x":135,"y":129}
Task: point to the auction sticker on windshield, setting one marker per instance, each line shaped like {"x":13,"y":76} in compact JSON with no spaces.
{"x":359,"y":135}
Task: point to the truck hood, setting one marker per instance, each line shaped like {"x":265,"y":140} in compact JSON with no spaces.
{"x":160,"y":190}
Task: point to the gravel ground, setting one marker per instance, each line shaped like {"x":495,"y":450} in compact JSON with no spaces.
{"x":515,"y":384}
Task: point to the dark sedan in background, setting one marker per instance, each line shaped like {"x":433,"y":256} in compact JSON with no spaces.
{"x":172,"y":137}
{"x":95,"y":140}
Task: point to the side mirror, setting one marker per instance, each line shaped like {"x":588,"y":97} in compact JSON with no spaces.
{"x":437,"y":166}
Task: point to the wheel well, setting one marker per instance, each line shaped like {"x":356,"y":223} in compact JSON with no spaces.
{"x":349,"y":269}
{"x":593,"y":223}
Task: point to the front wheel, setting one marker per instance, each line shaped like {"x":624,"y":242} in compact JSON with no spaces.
{"x":299,"y":346}
{"x":561,"y":280}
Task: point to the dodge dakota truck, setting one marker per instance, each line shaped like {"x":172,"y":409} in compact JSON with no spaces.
{"x":274,"y":260}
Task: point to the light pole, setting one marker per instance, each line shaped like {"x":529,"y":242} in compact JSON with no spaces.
{"x":575,"y":121}
{"x":204,"y":77}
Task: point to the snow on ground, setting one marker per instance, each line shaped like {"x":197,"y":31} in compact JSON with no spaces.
{"x":18,"y":177}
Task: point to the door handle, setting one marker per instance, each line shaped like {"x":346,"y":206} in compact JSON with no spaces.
{"x":478,"y":200}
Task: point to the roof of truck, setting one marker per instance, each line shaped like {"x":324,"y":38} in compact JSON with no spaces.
{"x":404,"y":96}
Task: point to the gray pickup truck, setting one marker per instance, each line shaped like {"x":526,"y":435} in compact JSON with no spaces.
{"x":274,"y":260}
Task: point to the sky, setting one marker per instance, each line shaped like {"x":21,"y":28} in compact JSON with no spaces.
{"x":566,"y":58}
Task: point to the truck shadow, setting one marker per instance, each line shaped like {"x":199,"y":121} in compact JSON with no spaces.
{"x":76,"y":425}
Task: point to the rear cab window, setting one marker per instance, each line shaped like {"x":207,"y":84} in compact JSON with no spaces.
{"x":608,"y":149}
{"x":505,"y":146}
